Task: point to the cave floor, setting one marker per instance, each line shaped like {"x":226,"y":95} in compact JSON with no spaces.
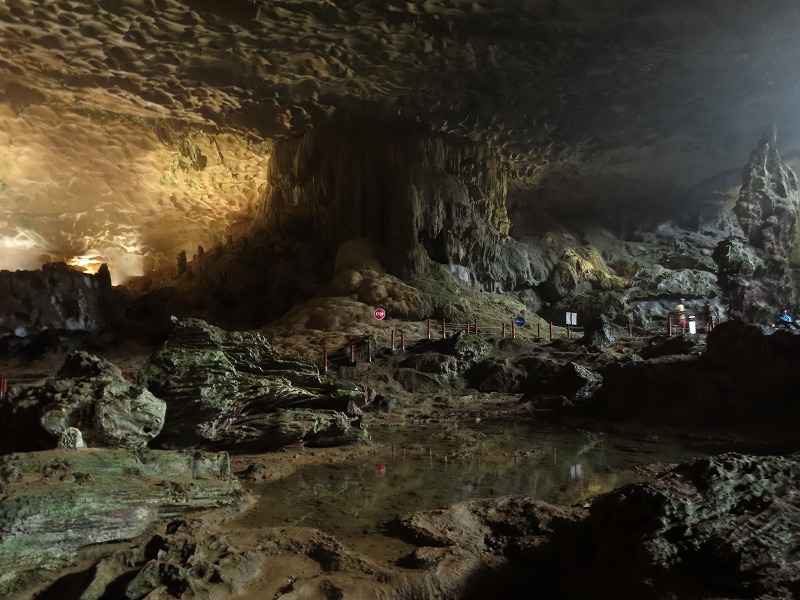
{"x":289,"y":554}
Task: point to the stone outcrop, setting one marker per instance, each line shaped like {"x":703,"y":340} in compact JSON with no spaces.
{"x":727,"y":526}
{"x":232,"y":389}
{"x":723,"y":527}
{"x":575,"y":382}
{"x":682,"y":343}
{"x":754,"y":277}
{"x":416,"y":196}
{"x":38,"y":306}
{"x":513,"y":374}
{"x":181,"y":560}
{"x":56,"y":502}
{"x":88,"y":394}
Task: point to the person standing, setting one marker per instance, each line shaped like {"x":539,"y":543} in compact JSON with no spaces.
{"x":680,"y":313}
{"x":711,"y":313}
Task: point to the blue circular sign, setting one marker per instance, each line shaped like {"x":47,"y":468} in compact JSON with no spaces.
{"x":519,"y":321}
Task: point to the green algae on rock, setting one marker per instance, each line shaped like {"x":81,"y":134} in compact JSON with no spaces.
{"x":225,"y":389}
{"x":56,"y":502}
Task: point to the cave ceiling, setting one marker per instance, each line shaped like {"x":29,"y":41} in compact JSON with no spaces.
{"x":133,"y":128}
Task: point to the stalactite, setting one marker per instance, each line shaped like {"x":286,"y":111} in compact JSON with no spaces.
{"x":404,"y":189}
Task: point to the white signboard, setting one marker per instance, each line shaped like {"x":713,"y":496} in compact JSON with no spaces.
{"x":692,"y":326}
{"x":572,"y":318}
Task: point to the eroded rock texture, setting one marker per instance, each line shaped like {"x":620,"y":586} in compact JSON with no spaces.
{"x":56,"y":300}
{"x":418,"y":194}
{"x":232,"y":389}
{"x":88,"y":394}
{"x":727,"y":526}
{"x":54,"y":503}
{"x":723,"y":527}
{"x":755,"y":272}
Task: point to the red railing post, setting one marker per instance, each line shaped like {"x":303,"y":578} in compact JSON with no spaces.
{"x":569,"y":331}
{"x":429,"y":329}
{"x":630,"y":329}
{"x":402,"y":341}
{"x":444,"y":329}
{"x":468,"y":326}
{"x":513,"y":330}
{"x":324,"y":360}
{"x":352,"y":354}
{"x":669,"y":326}
{"x":369,"y":350}
{"x":392,"y":340}
{"x":503,"y":331}
{"x":538,"y":331}
{"x":551,"y":331}
{"x":476,"y":326}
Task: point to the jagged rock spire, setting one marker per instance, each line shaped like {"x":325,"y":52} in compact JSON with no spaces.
{"x":768,"y":202}
{"x":754,"y":272}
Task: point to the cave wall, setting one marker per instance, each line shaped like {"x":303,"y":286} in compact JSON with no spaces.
{"x":56,"y":299}
{"x":419,"y":196}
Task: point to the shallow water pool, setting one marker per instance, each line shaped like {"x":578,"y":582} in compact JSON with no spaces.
{"x":418,"y":468}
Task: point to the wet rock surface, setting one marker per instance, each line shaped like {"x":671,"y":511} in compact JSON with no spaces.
{"x":622,"y":545}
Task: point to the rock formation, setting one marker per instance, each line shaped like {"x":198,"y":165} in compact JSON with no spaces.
{"x":36,"y":307}
{"x":232,"y":389}
{"x":418,"y":195}
{"x":52,"y":504}
{"x":725,"y":526}
{"x":756,"y":275}
{"x":88,"y":394}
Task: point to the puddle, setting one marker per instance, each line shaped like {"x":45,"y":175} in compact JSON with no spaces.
{"x":423,"y":468}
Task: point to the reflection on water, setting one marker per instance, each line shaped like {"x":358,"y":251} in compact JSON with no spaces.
{"x":422,"y":468}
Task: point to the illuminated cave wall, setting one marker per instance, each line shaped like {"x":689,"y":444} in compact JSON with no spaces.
{"x":89,"y":189}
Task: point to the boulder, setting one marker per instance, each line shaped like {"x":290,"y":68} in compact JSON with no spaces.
{"x":71,"y":438}
{"x":677,"y":344}
{"x":225,"y":389}
{"x":273,"y":430}
{"x":599,"y":333}
{"x":735,"y":343}
{"x":433,"y":362}
{"x":575,"y":382}
{"x":514,"y":374}
{"x":181,"y":560}
{"x":468,"y":349}
{"x":91,"y":395}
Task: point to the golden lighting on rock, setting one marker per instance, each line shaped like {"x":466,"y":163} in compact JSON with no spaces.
{"x":93,"y":191}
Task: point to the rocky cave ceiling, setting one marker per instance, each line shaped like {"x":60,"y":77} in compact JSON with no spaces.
{"x":132,"y":129}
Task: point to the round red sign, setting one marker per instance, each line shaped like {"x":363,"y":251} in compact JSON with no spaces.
{"x":380,"y":314}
